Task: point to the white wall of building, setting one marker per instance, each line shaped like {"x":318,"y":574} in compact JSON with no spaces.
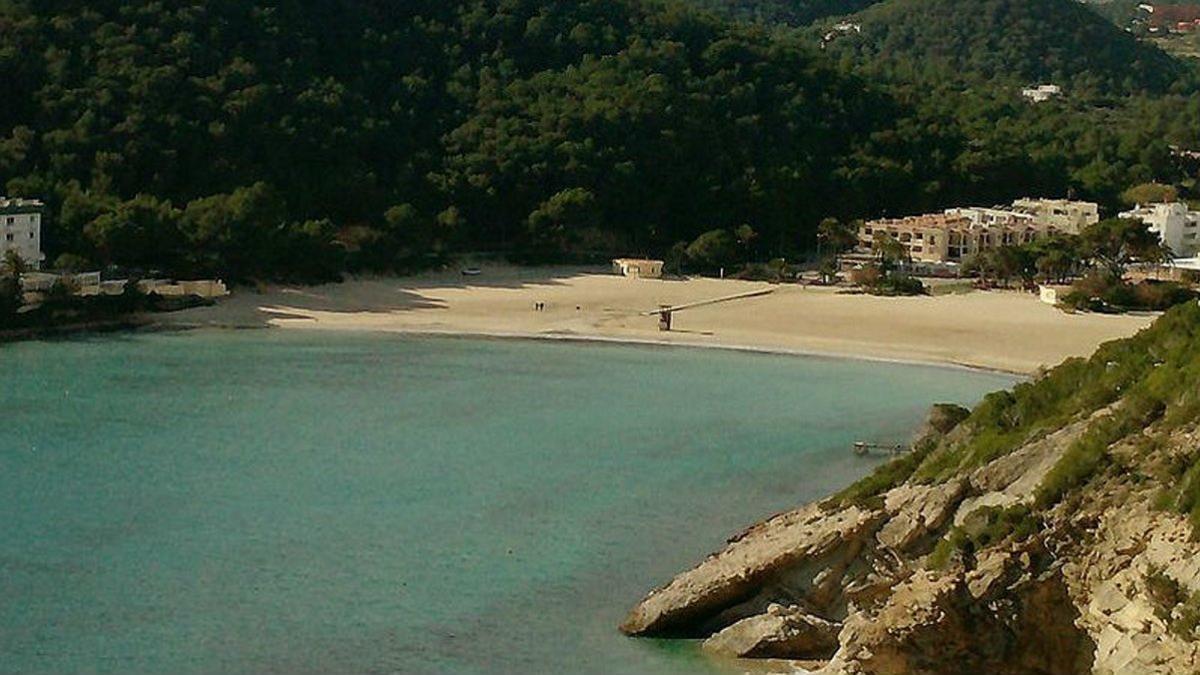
{"x":1042,"y":93}
{"x":21,"y":230}
{"x":1174,"y":223}
{"x":1069,"y":217}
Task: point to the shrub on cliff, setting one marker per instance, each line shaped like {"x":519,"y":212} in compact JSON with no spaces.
{"x":1151,"y":378}
{"x":986,"y":526}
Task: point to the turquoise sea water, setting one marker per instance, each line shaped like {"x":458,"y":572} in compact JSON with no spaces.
{"x":267,"y":502}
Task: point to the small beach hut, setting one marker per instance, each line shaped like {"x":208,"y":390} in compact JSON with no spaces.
{"x":638,"y":268}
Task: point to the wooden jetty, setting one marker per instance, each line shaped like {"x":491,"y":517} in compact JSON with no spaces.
{"x":666,"y":312}
{"x":863,"y":448}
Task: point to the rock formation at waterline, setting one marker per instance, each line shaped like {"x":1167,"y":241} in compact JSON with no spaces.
{"x":1054,"y":530}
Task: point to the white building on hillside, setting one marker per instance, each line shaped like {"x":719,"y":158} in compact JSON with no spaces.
{"x":1042,"y":93}
{"x":21,"y":230}
{"x":1174,"y":223}
{"x":1064,"y":215}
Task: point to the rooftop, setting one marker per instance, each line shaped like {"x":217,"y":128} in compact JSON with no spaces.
{"x":18,"y":205}
{"x":925,"y":220}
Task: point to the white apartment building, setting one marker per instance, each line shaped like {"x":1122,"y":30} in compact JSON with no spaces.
{"x":956,"y":234}
{"x":1064,"y":215}
{"x":1173,"y":222}
{"x":21,"y":230}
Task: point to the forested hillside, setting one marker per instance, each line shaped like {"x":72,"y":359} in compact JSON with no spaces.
{"x":962,"y":65}
{"x":245,"y":137}
{"x":1018,"y":41}
{"x":260,"y":139}
{"x":789,"y":12}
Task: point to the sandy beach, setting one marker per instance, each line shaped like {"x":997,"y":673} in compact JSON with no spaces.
{"x":999,"y":330}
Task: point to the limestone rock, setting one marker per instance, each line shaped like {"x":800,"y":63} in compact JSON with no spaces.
{"x":805,"y":539}
{"x":932,"y":624}
{"x":990,"y":574}
{"x":1106,"y":583}
{"x":918,"y":510}
{"x":787,"y":633}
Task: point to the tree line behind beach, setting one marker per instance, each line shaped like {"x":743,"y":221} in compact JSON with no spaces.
{"x":265,"y":140}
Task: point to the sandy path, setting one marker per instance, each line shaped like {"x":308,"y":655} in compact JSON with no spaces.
{"x":998,"y":330}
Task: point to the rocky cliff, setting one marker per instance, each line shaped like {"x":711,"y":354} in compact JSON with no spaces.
{"x":1051,"y":530}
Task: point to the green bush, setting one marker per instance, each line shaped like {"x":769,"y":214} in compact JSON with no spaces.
{"x":775,"y":271}
{"x":985,"y":527}
{"x":1086,"y":456}
{"x":1156,"y":365}
{"x":1161,"y":295}
{"x":1172,"y":603}
{"x":1099,"y":292}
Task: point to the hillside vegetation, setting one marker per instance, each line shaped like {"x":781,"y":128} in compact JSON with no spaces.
{"x":962,"y":66}
{"x":277,"y":140}
{"x":788,"y":12}
{"x":1138,"y":391}
{"x":1012,"y":41}
{"x":267,"y":139}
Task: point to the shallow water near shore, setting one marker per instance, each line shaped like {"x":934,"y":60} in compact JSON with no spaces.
{"x":277,"y":502}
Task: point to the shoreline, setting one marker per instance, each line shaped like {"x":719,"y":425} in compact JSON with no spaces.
{"x":583,"y":338}
{"x":127,"y":324}
{"x":994,"y":331}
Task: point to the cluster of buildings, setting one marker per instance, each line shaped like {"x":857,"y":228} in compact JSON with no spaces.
{"x":938,"y":242}
{"x":1042,"y":93}
{"x":21,"y":233}
{"x":844,"y":28}
{"x":950,"y":237}
{"x":1174,"y":18}
{"x":90,"y":284}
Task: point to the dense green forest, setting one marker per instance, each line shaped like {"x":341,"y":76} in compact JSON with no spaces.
{"x":259,"y":139}
{"x":1006,"y":41}
{"x":264,"y":139}
{"x":961,"y":65}
{"x":787,"y":12}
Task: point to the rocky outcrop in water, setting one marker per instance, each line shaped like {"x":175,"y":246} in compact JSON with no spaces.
{"x":1030,"y":539}
{"x":780,"y":632}
{"x":803,"y":554}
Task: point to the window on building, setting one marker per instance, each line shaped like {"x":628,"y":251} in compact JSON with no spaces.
{"x":11,"y":220}
{"x":932,"y":240}
{"x":866,"y":230}
{"x":8,"y":237}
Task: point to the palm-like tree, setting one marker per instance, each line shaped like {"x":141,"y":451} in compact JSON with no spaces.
{"x":14,"y":265}
{"x":889,"y":252}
